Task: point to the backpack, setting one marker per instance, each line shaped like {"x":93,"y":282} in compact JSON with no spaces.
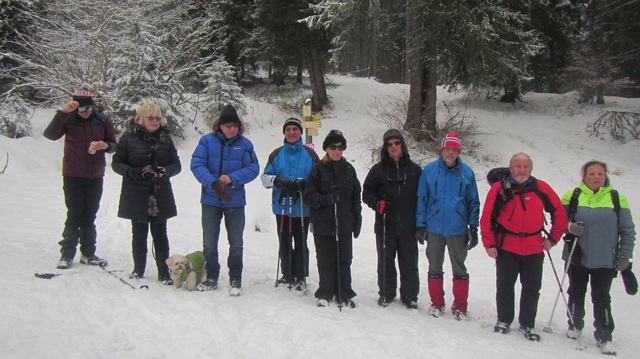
{"x":501,"y":174}
{"x":573,"y":202}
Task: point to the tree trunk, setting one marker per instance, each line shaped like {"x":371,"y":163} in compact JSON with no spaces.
{"x":316,"y":78}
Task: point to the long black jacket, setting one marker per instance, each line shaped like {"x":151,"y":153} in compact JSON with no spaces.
{"x":398,"y":185}
{"x":138,"y":148}
{"x":327,"y":180}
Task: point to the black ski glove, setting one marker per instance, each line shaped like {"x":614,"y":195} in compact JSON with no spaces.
{"x":300,"y":184}
{"x":287,"y":185}
{"x":421,"y":234}
{"x":357,"y":226}
{"x":472,"y":238}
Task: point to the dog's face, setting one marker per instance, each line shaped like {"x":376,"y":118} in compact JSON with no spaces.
{"x":177,"y":264}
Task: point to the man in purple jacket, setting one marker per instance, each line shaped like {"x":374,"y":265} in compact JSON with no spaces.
{"x":89,"y":134}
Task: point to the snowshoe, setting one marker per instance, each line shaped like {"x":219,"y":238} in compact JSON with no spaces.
{"x":530,"y":334}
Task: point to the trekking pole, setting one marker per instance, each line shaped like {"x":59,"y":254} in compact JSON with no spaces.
{"x":335,"y":206}
{"x":304,"y":240}
{"x":279,"y":240}
{"x":548,"y":329}
{"x":384,"y":258}
{"x":290,"y":244}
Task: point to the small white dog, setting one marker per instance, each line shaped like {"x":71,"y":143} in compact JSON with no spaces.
{"x":189,"y":269}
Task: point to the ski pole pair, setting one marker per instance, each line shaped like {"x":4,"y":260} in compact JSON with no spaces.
{"x":290,"y":246}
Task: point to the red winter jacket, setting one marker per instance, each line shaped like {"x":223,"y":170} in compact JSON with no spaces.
{"x":524,"y":214}
{"x":79,"y":133}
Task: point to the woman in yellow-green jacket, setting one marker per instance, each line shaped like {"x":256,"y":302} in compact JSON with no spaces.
{"x":604,"y":245}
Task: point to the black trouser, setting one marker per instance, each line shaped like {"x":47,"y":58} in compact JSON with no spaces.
{"x":298,"y":263}
{"x":508,"y":267}
{"x":407,"y":249}
{"x":327,"y":259}
{"x":140,"y":233}
{"x":82,"y":198}
{"x":601,"y":279}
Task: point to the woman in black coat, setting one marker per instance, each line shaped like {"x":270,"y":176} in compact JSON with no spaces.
{"x":391,"y":189}
{"x":333,"y":185}
{"x":146,"y":158}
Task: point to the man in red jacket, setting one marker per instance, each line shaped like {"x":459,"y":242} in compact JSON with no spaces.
{"x":511,"y":224}
{"x":89,"y":134}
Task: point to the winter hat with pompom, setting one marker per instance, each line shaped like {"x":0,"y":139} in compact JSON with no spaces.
{"x":83,"y":96}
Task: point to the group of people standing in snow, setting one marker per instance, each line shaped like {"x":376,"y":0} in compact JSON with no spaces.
{"x":438,"y":206}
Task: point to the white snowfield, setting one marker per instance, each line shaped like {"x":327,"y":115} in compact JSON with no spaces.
{"x":87,"y":313}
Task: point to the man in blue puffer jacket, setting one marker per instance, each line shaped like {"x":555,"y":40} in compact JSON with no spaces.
{"x":223,"y":162}
{"x":447,"y":216}
{"x":286,"y":172}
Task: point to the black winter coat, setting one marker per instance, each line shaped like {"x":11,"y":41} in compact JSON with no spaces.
{"x":326,"y":180}
{"x":398,"y":185}
{"x":138,"y":148}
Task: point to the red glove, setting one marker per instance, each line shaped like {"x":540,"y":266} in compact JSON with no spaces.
{"x":383,"y":207}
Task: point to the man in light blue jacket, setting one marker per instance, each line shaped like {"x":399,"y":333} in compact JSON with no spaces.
{"x":286,"y":172}
{"x":447,"y":216}
{"x":223,"y":162}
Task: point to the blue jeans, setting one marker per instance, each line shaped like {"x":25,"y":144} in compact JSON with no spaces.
{"x":234,"y":223}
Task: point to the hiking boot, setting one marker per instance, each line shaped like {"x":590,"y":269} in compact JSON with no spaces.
{"x":207,"y":285}
{"x":501,"y":327}
{"x":573,"y":333}
{"x":459,"y":315}
{"x":410,"y":303}
{"x":323,"y":303}
{"x":435,"y":312}
{"x":301,"y":286}
{"x":349,"y":303}
{"x":606,"y":348}
{"x":530,"y":334}
{"x":94,"y":260}
{"x":64,"y":263}
{"x":135,"y":275}
{"x":283,"y":280}
{"x":164,"y":277}
{"x":383,"y":302}
{"x":236,"y":288}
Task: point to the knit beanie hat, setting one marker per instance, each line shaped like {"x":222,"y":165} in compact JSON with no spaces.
{"x":228,"y":115}
{"x":392,"y":133}
{"x":292,"y":121}
{"x":451,"y":140}
{"x":334,"y":136}
{"x":83,"y":96}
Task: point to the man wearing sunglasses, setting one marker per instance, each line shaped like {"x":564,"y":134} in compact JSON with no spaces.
{"x":390,"y":189}
{"x":333,"y":195}
{"x":89,"y":134}
{"x":448,"y":216}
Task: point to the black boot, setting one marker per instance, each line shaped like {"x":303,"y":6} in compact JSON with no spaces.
{"x":139,"y":265}
{"x":163,"y":269}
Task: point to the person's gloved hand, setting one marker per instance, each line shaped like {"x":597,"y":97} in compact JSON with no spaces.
{"x":220,"y":191}
{"x":472,"y":237}
{"x":287,"y":185}
{"x":621,"y":264}
{"x":300,"y":184}
{"x":357,"y":226}
{"x":421,"y":234}
{"x":576,"y":228}
{"x":383,"y":207}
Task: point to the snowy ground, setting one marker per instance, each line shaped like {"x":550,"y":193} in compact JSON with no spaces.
{"x":85,"y":312}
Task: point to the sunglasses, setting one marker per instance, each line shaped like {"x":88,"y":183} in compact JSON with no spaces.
{"x":230,"y":124}
{"x":84,"y":108}
{"x":394,"y":143}
{"x":336,"y":147}
{"x":154,"y":118}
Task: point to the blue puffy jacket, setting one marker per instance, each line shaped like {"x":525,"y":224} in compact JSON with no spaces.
{"x":448,"y":199}
{"x":291,"y":161}
{"x":215,"y":156}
